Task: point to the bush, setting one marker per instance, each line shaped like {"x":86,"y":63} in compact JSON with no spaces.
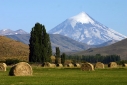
{"x":11,"y":61}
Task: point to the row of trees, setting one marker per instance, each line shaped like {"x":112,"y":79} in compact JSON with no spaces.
{"x":59,"y":56}
{"x":94,"y":58}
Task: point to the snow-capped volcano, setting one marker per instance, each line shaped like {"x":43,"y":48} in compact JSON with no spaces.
{"x":85,"y":29}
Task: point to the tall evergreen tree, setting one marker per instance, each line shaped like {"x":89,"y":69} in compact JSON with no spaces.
{"x":57,"y":54}
{"x":40,"y":46}
{"x":63,"y":58}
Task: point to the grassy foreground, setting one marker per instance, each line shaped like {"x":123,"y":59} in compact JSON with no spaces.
{"x":67,"y":76}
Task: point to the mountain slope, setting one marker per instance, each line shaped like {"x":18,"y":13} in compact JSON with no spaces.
{"x":64,"y":43}
{"x":13,"y":49}
{"x":105,"y":44}
{"x":85,"y":29}
{"x":24,"y":38}
{"x":119,"y":48}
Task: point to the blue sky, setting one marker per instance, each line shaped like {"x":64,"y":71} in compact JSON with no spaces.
{"x":23,"y":14}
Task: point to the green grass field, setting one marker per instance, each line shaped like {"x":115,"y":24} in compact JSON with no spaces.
{"x":67,"y":76}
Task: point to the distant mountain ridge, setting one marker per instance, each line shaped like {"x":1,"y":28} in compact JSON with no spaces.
{"x":11,"y":32}
{"x":85,"y":29}
{"x":64,"y":43}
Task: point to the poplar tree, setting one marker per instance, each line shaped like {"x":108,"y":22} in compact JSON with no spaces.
{"x":57,"y":54}
{"x":40,"y":46}
{"x":63,"y":58}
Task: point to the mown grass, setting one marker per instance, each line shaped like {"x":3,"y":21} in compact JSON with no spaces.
{"x":67,"y":76}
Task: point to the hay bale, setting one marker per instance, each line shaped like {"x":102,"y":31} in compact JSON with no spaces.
{"x":99,"y":65}
{"x":70,"y":65}
{"x":67,"y":62}
{"x":47,"y":64}
{"x":52,"y":65}
{"x":87,"y":67}
{"x":21,"y":69}
{"x":3,"y":67}
{"x":112,"y":65}
{"x":58,"y":60}
{"x":125,"y":65}
{"x":59,"y":65}
{"x":53,"y":58}
{"x":77,"y":65}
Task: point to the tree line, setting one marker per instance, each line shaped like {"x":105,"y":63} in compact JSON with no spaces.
{"x":94,"y":58}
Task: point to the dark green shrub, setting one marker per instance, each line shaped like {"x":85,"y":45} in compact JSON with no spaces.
{"x":11,"y":61}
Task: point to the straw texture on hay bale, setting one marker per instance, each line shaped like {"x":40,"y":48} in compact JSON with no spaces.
{"x":99,"y":65}
{"x":77,"y":65}
{"x":3,"y":67}
{"x":87,"y":67}
{"x":112,"y":65}
{"x":21,"y":69}
{"x":59,"y":65}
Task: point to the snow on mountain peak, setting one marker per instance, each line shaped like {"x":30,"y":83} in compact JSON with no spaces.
{"x":81,"y":18}
{"x":5,"y":29}
{"x":85,"y":29}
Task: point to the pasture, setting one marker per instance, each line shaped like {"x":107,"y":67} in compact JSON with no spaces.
{"x":67,"y":76}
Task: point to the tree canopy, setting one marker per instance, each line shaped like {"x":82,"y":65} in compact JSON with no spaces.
{"x":40,"y":46}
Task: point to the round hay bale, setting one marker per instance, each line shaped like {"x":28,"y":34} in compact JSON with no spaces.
{"x":52,"y":65}
{"x":125,"y":65}
{"x":87,"y":67}
{"x":21,"y":69}
{"x":53,"y":58}
{"x":112,"y":65}
{"x":58,"y":60}
{"x":47,"y":64}
{"x":3,"y":67}
{"x":67,"y":62}
{"x":59,"y":65}
{"x":99,"y":65}
{"x":70,"y":65}
{"x":77,"y":65}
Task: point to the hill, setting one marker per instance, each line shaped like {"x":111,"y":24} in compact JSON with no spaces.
{"x":12,"y":49}
{"x":119,"y":48}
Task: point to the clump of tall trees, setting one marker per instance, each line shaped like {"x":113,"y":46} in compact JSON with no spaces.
{"x":60,"y":58}
{"x":40,"y":46}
